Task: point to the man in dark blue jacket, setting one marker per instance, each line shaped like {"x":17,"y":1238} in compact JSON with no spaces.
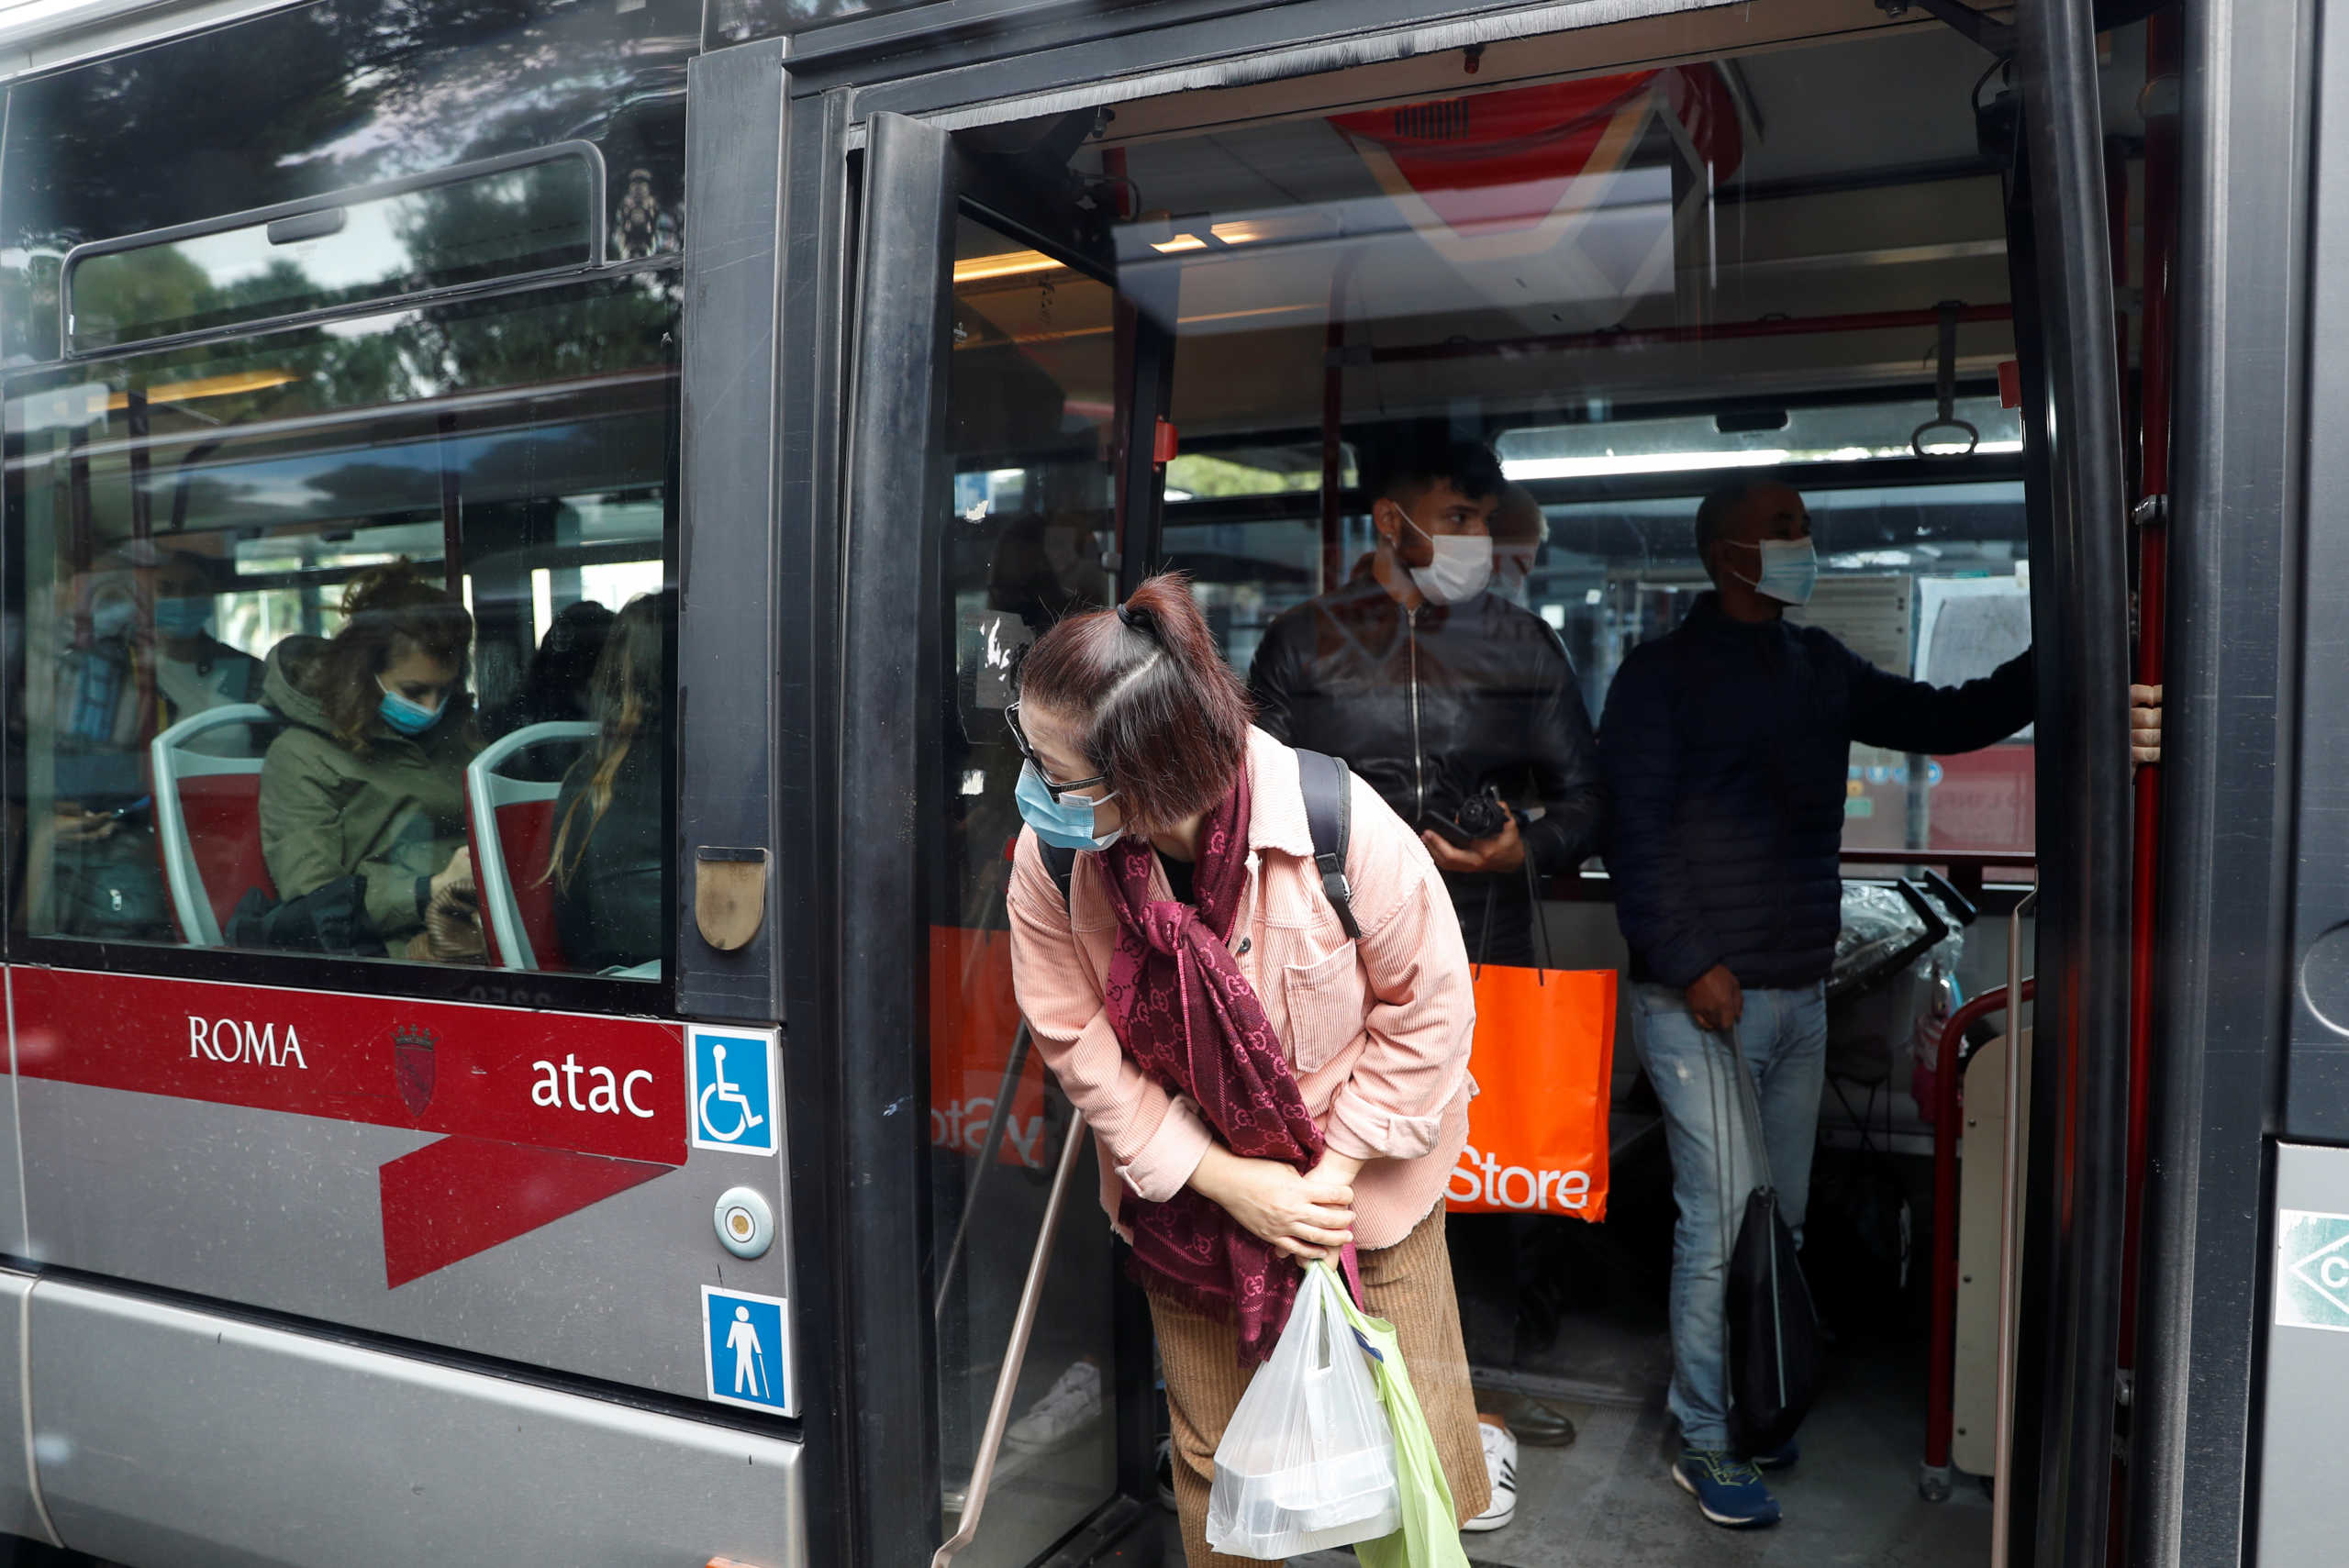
{"x":1725,"y":745}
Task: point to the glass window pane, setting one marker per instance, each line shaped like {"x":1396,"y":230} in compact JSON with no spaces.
{"x":461,"y":229}
{"x":1032,"y":389}
{"x":1605,"y":284}
{"x":286,"y":595}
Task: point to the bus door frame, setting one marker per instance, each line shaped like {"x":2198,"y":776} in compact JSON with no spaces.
{"x":872,"y":189}
{"x":915,"y":181}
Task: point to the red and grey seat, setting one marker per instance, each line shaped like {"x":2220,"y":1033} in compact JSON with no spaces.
{"x":512,"y":827}
{"x":207,"y":820}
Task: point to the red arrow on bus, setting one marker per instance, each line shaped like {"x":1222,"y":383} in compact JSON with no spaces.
{"x":542,"y":1114}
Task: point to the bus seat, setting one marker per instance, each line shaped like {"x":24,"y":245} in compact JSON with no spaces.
{"x":207,"y":821}
{"x":513,"y":834}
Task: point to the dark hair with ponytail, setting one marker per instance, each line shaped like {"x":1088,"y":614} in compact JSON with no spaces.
{"x":1161,"y":714}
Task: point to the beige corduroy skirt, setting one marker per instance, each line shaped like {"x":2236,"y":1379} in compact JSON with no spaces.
{"x":1410,"y":1284}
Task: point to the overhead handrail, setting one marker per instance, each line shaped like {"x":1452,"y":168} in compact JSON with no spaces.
{"x":1945,"y":388}
{"x":1023,"y":1324}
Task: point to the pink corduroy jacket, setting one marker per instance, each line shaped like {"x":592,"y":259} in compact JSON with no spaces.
{"x":1378,"y":1031}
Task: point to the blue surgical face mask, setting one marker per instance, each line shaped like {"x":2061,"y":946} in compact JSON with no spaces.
{"x":1066,"y":823}
{"x":183,"y":617}
{"x":1789,"y":570}
{"x":406,"y":715}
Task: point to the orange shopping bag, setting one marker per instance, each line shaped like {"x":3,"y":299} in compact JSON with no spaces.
{"x":1545,"y":1059}
{"x":974,"y":1021}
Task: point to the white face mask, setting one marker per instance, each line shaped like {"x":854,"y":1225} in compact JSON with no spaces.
{"x":1462,"y":566}
{"x":1512,"y":564}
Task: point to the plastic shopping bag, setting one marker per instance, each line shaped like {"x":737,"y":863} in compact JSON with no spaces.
{"x":1308,"y":1462}
{"x":1428,"y":1533}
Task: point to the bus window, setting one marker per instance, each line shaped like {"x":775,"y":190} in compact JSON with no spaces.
{"x":354,"y":97}
{"x":466,"y":225}
{"x":354,"y":640}
{"x":1620,"y":343}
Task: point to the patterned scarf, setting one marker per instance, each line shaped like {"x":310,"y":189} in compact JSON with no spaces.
{"x":1179,"y":1004}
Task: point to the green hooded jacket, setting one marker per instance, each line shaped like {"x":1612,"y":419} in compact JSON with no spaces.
{"x":393,"y":817}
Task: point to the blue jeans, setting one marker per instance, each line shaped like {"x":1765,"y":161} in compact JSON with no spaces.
{"x":1783,"y":1040}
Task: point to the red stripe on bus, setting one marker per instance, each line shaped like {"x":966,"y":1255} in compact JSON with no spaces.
{"x":461,"y":1196}
{"x":581,"y":1084}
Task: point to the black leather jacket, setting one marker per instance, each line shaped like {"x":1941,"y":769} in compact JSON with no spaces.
{"x":609,"y":913}
{"x":1429,"y":705}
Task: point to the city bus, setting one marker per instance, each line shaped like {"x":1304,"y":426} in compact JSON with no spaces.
{"x":760,"y":376}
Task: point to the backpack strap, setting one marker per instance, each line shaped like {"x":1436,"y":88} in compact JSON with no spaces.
{"x":1328,"y":813}
{"x":1328,"y":795}
{"x":1062,"y":863}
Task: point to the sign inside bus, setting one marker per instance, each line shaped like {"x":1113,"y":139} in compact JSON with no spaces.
{"x":541,"y":1113}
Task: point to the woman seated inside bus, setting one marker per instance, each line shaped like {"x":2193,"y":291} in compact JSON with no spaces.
{"x":362,"y":794}
{"x":609,"y":846}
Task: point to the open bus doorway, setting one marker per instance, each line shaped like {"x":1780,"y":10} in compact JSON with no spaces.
{"x":1627,"y":281}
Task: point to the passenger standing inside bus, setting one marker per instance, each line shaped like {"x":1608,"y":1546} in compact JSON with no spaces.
{"x":610,"y":835}
{"x":1262,"y":1089}
{"x":367,"y":781}
{"x":1461,"y":708}
{"x":557,"y":688}
{"x":194,"y":671}
{"x":97,"y":844}
{"x":1726,"y":743}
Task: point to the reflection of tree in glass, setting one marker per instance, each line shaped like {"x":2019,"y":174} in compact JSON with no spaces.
{"x":214,"y":406}
{"x":151,"y":292}
{"x":521,"y":220}
{"x":355,"y":92}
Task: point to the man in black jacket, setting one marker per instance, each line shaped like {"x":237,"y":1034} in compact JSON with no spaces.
{"x":1452,"y":701}
{"x":1726,"y":745}
{"x":1436,"y":691}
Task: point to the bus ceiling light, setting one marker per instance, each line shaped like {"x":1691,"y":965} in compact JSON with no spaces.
{"x":1639,"y":463}
{"x":207,"y":386}
{"x":1603,"y":463}
{"x":1180,"y":242}
{"x":1004,"y":264}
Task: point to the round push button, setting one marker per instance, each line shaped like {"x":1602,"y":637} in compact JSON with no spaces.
{"x":745,"y":1222}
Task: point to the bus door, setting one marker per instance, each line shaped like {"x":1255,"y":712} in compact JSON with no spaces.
{"x":1317,"y":272}
{"x":378,"y":1205}
{"x":994,"y":379}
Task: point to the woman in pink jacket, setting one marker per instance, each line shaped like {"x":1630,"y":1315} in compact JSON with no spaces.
{"x":1263,"y":1090}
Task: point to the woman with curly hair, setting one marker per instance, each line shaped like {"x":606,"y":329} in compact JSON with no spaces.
{"x":367,"y":781}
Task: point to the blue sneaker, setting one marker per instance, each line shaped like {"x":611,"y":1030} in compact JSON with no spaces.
{"x":1728,"y":1490}
{"x":1782,"y":1457}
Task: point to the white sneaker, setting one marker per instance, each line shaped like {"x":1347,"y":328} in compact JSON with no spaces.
{"x":1500,"y":1468}
{"x":1058,"y":1418}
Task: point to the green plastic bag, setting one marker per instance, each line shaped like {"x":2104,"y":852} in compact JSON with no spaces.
{"x":1431,"y":1534}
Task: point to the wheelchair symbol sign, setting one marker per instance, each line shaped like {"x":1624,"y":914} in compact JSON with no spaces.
{"x":733,"y":1104}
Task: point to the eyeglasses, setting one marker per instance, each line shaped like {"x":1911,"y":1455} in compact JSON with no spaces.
{"x":1043,"y":774}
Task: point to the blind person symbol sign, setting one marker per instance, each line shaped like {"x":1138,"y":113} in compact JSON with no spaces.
{"x":744,"y":1349}
{"x":733,"y":1104}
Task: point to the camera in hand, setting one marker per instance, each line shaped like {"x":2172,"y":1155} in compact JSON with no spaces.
{"x":1480,"y":815}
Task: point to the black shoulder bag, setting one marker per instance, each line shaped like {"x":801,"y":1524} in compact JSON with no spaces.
{"x":1773,"y":1328}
